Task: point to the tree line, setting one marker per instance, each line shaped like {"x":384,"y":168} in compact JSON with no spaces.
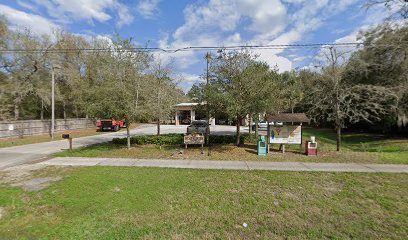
{"x":118,"y":83}
{"x":366,"y":89}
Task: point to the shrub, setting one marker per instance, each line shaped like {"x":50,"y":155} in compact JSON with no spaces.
{"x":167,"y":139}
{"x":225,"y":139}
{"x":177,"y":139}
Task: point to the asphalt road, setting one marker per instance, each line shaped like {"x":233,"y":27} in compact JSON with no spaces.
{"x":17,"y":155}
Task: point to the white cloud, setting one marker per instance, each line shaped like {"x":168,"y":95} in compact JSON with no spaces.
{"x":125,"y":17}
{"x":67,"y":11}
{"x":299,"y":59}
{"x":28,"y":6}
{"x":188,"y":80}
{"x":20,"y":19}
{"x":374,"y":16}
{"x":225,"y":22}
{"x":216,"y":24}
{"x":283,"y":64}
{"x":148,"y":8}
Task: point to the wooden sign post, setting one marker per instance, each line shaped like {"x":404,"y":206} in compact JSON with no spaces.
{"x":194,"y":138}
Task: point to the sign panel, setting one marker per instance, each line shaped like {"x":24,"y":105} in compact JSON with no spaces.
{"x":194,"y":139}
{"x":286,"y":134}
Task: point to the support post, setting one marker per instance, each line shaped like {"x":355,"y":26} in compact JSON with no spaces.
{"x":52,"y":102}
{"x":207,"y":131}
{"x":70,"y":143}
{"x":268,"y":136}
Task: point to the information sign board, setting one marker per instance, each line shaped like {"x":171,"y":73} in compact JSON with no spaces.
{"x":285,"y":134}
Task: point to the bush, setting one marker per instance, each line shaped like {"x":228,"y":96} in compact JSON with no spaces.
{"x":177,"y":139}
{"x":225,"y":139}
{"x":167,"y":139}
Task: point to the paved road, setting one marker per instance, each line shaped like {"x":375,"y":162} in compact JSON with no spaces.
{"x":238,"y":165}
{"x":13,"y":156}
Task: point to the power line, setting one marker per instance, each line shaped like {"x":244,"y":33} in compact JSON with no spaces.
{"x":197,"y":48}
{"x":193,"y":48}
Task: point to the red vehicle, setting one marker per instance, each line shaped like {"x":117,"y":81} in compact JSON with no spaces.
{"x":111,"y":125}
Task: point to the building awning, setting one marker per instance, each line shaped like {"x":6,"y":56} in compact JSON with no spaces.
{"x":186,"y":104}
{"x":288,"y":117}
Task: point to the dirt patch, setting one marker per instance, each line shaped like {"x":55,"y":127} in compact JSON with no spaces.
{"x":37,"y":184}
{"x":2,"y":212}
{"x":18,"y":173}
{"x":28,"y":176}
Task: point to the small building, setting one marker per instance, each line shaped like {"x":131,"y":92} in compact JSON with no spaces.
{"x":187,"y":112}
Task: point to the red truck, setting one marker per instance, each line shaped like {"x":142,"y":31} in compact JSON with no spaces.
{"x":111,"y":125}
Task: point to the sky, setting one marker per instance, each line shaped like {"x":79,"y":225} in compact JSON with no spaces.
{"x":183,"y":23}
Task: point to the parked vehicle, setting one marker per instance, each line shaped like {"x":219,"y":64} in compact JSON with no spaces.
{"x":111,"y":125}
{"x":197,"y":126}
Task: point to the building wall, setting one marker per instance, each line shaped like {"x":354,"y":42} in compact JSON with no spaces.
{"x":36,"y":127}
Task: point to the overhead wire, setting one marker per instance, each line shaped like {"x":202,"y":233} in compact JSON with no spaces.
{"x":183,"y":49}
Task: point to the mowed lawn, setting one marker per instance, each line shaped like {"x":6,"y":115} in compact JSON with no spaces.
{"x":356,"y":148}
{"x":152,"y":203}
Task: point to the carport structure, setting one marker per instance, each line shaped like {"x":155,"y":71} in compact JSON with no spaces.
{"x":187,"y":112}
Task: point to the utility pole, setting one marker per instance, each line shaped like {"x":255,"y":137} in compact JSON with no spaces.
{"x":207,"y":131}
{"x":52,"y":102}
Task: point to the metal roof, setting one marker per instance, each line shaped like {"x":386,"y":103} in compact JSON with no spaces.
{"x":288,"y":117}
{"x":186,"y":104}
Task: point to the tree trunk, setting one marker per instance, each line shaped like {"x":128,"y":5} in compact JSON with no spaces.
{"x":42,"y":110}
{"x":128,"y":134}
{"x":158,"y":127}
{"x":292,"y":112}
{"x":238,"y":125}
{"x":64,"y":110}
{"x":76,"y":111}
{"x":17,"y":102}
{"x":250,"y":125}
{"x":338,"y":138}
{"x":256,"y":127}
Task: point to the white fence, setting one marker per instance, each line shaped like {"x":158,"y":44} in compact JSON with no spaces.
{"x":35,"y":127}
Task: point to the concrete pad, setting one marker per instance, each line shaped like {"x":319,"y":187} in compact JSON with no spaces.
{"x":281,"y":166}
{"x":162,"y":163}
{"x":206,"y":164}
{"x":337,"y":167}
{"x":234,"y":165}
{"x":393,"y":168}
{"x":118,"y":162}
{"x":73,"y":161}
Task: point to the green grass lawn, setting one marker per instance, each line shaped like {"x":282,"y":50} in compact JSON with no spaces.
{"x":356,"y":148}
{"x":151,"y":203}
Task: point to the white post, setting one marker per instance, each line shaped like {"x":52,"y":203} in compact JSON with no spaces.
{"x":192,"y":115}
{"x":52,"y":102}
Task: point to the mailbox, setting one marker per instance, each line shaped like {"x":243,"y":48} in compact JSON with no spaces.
{"x":69,"y":138}
{"x":311,"y":148}
{"x":262,"y":146}
{"x":66,"y":136}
